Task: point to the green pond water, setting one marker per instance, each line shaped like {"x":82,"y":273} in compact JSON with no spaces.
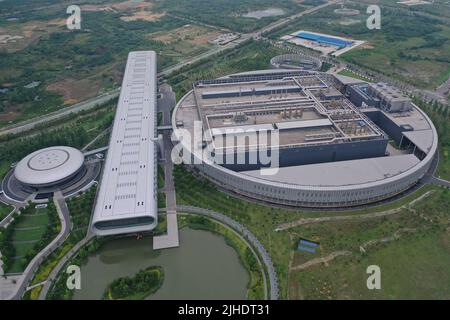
{"x":203,"y":267}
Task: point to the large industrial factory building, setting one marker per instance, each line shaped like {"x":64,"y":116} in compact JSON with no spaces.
{"x":329,"y":141}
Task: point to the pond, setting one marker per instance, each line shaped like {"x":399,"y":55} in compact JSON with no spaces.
{"x":203,"y":267}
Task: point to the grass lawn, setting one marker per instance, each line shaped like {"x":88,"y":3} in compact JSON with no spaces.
{"x":161,"y":200}
{"x":38,"y":219}
{"x":4,"y":210}
{"x":443,"y":171}
{"x":80,"y":209}
{"x":351,"y":74}
{"x":161,"y":177}
{"x":34,"y":220}
{"x":160,"y":118}
{"x":260,"y":220}
{"x":409,"y":47}
{"x":413,"y":266}
{"x":5,"y":166}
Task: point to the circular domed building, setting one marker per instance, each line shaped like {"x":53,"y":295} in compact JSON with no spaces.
{"x":49,"y":167}
{"x":38,"y":175}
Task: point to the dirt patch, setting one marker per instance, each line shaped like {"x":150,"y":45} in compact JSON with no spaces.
{"x":121,"y":6}
{"x":189,"y":33}
{"x":8,"y":116}
{"x":143,"y":15}
{"x":74,"y":91}
{"x":19,"y":37}
{"x":366,"y":45}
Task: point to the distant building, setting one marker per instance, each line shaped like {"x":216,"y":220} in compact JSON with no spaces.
{"x":326,"y":40}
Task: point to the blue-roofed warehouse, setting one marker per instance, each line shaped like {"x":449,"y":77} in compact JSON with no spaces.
{"x":340,"y":43}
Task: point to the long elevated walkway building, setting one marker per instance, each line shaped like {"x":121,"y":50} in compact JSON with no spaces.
{"x":127,"y":199}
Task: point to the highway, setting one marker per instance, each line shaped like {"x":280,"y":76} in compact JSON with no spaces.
{"x":82,"y":106}
{"x":91,"y":103}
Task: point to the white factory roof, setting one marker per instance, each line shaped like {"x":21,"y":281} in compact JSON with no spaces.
{"x":49,"y":165}
{"x":127,"y":188}
{"x":304,"y":124}
{"x":413,"y":118}
{"x":244,"y":129}
{"x":423,"y":139}
{"x":342,"y":172}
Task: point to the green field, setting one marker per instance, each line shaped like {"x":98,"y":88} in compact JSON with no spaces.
{"x":413,"y":265}
{"x":76,"y":131}
{"x":351,"y":74}
{"x":230,"y":13}
{"x":4,"y":210}
{"x":30,"y":232}
{"x":80,"y":209}
{"x":262,"y":220}
{"x":91,"y":62}
{"x":249,"y":56}
{"x":161,"y":199}
{"x":161,"y":177}
{"x":410,"y":46}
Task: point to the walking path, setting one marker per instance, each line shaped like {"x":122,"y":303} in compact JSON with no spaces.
{"x":324,"y":260}
{"x":171,"y":239}
{"x":54,"y":273}
{"x":303,"y":221}
{"x":395,"y":236}
{"x":23,"y":281}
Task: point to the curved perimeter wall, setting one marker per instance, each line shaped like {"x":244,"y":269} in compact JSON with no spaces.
{"x":312,"y":196}
{"x":295,"y":61}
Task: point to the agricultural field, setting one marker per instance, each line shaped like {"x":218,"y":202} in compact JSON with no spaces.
{"x":186,"y":41}
{"x":410,"y":46}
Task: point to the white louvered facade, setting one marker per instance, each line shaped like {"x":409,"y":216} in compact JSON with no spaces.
{"x":127,"y":198}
